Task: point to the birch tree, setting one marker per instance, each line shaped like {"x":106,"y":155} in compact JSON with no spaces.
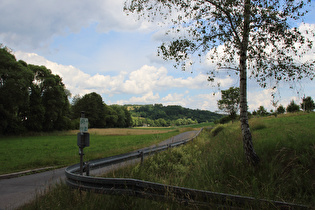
{"x":254,"y":38}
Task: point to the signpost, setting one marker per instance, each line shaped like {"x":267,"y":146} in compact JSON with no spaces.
{"x":83,"y":139}
{"x":84,"y":124}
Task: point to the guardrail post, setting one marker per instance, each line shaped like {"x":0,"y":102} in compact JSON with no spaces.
{"x":141,"y":156}
{"x":86,"y":168}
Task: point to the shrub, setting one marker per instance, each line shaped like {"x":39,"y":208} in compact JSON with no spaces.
{"x":293,"y":107}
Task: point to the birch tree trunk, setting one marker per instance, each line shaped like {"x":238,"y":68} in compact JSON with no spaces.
{"x":250,"y":154}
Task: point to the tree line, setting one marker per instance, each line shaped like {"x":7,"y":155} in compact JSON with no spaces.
{"x":229,"y":103}
{"x":34,"y":99}
{"x":159,"y":115}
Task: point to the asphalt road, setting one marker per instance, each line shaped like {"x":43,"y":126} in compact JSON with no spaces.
{"x":18,"y":191}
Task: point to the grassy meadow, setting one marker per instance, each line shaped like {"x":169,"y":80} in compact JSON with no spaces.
{"x":60,"y":149}
{"x":215,"y":162}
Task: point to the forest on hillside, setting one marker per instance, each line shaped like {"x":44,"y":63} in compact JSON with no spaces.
{"x":159,"y":115}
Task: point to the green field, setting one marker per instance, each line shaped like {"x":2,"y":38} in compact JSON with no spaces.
{"x":215,"y":162}
{"x":60,"y":149}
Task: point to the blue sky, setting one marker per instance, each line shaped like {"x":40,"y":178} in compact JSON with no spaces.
{"x":94,"y":46}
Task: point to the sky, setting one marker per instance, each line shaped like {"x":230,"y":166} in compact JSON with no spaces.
{"x":95,"y":47}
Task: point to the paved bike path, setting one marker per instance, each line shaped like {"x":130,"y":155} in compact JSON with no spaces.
{"x":15,"y":192}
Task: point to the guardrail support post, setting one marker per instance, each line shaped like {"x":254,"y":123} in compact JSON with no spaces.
{"x":86,"y":168}
{"x":141,"y":154}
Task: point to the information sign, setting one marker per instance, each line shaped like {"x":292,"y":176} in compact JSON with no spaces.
{"x":84,"y":124}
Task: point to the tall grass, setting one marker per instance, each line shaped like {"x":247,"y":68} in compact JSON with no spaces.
{"x":286,"y":146}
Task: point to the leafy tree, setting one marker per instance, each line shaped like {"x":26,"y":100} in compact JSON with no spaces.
{"x":244,"y":35}
{"x":262,"y":111}
{"x":124,"y":118}
{"x":128,"y":118}
{"x":36,"y":114}
{"x":280,"y":110}
{"x":15,"y":80}
{"x":230,"y":100}
{"x":293,"y":107}
{"x":53,"y":108}
{"x":93,"y":106}
{"x":308,"y":104}
{"x":111,"y":117}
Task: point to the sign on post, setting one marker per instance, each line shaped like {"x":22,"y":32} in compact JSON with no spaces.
{"x":83,"y":140}
{"x":84,"y":124}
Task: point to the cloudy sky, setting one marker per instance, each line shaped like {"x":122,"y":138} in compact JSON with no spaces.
{"x":95,"y":47}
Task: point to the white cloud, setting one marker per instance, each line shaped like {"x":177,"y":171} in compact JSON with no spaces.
{"x":34,"y":23}
{"x":146,"y":98}
{"x":171,"y":98}
{"x":144,"y":81}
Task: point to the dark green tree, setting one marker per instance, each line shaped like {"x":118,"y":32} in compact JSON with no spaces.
{"x":93,"y":106}
{"x":111,"y":117}
{"x":36,"y":112}
{"x":128,"y":118}
{"x":280,"y":110}
{"x":245,"y":35}
{"x":121,"y":120}
{"x":15,"y":80}
{"x":124,"y":119}
{"x":293,"y":107}
{"x":53,"y":100}
{"x":230,"y":101}
{"x":262,"y":111}
{"x":308,"y":104}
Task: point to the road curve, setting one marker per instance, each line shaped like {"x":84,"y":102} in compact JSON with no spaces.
{"x":15,"y":192}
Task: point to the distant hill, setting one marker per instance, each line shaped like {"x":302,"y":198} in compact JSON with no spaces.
{"x":171,"y":112}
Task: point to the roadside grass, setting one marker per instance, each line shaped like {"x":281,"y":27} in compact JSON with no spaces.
{"x":286,"y":146}
{"x":59,"y":149}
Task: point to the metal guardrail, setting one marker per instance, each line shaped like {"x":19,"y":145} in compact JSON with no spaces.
{"x":150,"y":190}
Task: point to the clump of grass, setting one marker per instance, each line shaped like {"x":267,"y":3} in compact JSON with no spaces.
{"x":256,"y":124}
{"x":217,"y":130}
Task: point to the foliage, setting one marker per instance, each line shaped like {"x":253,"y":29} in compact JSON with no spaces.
{"x":308,"y":104}
{"x":293,"y":107}
{"x":99,"y":114}
{"x":93,"y":106}
{"x":32,"y":98}
{"x":160,"y":115}
{"x":244,"y":35}
{"x":15,"y":78}
{"x":262,"y":111}
{"x":200,"y":27}
{"x":280,"y":110}
{"x":230,"y":100}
